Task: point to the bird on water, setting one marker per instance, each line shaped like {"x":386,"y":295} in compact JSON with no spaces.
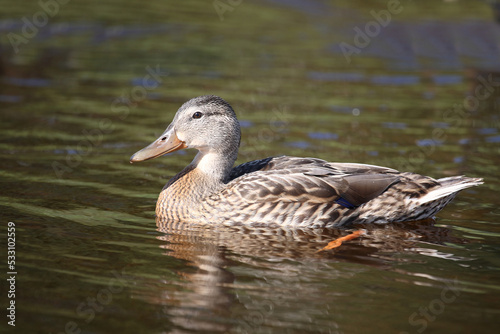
{"x":285,"y":191}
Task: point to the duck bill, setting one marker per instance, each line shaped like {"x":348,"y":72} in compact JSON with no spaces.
{"x":166,"y":143}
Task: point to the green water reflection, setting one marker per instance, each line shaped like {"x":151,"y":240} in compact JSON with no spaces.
{"x":100,"y":80}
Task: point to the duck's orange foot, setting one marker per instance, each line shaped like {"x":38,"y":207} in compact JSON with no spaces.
{"x":337,"y":242}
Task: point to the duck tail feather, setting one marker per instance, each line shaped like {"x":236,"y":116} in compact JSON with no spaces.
{"x":450,"y":186}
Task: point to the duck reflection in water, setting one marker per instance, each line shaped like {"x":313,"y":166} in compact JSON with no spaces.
{"x":213,"y":299}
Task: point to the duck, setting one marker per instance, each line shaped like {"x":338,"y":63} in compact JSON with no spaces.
{"x":284,"y":191}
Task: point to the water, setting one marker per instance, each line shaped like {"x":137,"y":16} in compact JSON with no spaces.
{"x":99,"y":81}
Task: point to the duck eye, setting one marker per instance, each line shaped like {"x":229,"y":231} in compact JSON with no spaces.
{"x":197,"y":115}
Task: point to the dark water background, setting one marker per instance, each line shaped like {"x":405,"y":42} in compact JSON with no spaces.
{"x":85,"y":84}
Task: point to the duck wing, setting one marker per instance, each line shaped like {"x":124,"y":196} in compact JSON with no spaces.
{"x":293,"y":179}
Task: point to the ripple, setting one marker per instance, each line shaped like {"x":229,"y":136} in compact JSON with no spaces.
{"x":10,"y":98}
{"x":341,"y":109}
{"x":245,"y":123}
{"x":440,"y":125}
{"x":429,"y":142}
{"x":494,"y":139}
{"x":487,"y":131}
{"x":336,"y":76}
{"x":394,"y":125}
{"x":323,"y":135}
{"x":395,"y":80}
{"x":441,"y":255}
{"x":447,"y":79}
{"x":299,"y":144}
{"x":27,"y":82}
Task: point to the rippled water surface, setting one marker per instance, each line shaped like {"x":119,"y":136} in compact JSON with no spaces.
{"x":85,"y":84}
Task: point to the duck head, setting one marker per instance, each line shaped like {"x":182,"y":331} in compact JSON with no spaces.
{"x":206,"y":123}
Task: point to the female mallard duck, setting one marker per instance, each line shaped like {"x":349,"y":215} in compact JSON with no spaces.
{"x":289,"y":191}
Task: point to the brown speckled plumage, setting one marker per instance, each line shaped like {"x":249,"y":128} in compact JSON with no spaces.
{"x":285,"y":191}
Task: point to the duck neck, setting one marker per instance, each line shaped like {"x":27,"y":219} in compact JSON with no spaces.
{"x":213,"y":168}
{"x":204,"y":176}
